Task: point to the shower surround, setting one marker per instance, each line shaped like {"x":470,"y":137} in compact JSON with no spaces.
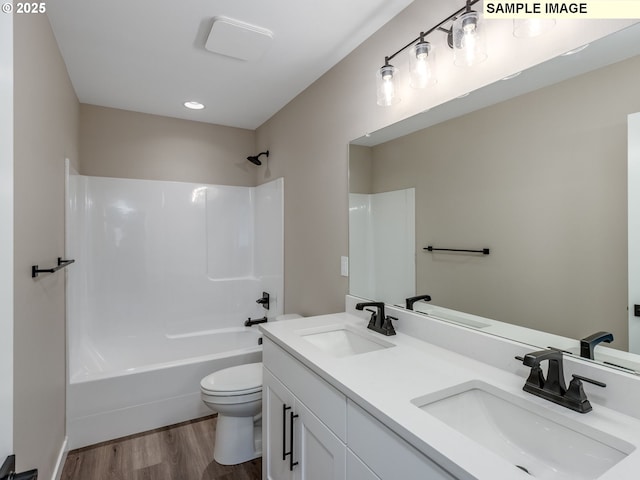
{"x":166,"y":273}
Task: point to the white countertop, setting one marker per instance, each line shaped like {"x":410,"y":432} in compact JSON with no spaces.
{"x":384,"y":382}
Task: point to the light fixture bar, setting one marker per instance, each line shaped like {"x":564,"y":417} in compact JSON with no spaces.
{"x":467,"y":7}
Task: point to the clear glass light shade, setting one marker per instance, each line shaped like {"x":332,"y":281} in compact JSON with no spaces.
{"x":468,"y":40}
{"x":422,"y":65}
{"x":387,"y":86}
{"x":532,"y":27}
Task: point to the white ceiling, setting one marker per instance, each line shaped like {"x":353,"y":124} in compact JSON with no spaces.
{"x":149,"y":56}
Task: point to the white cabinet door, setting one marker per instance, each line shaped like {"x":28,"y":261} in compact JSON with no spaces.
{"x":296,"y":444}
{"x":277,"y":407}
{"x":385,"y":453}
{"x":356,"y":470}
{"x":319,"y":454}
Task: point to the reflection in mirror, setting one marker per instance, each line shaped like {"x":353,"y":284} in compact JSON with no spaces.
{"x":382,"y":245}
{"x":538,"y":178}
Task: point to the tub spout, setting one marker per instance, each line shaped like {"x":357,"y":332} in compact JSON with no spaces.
{"x":250,"y":322}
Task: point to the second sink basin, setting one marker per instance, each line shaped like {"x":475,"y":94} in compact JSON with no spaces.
{"x":537,"y":442}
{"x":341,"y":341}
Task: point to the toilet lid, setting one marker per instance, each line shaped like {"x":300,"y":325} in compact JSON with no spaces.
{"x":239,"y":380}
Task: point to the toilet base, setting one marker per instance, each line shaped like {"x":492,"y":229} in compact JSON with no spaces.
{"x":238,"y":440}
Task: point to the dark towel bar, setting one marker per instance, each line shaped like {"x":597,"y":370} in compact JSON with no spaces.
{"x":484,"y":251}
{"x":61,"y":264}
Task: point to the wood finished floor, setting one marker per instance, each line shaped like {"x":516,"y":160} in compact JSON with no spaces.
{"x":178,"y":452}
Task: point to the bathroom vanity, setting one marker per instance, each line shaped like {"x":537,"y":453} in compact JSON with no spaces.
{"x":343,"y":402}
{"x":314,"y":431}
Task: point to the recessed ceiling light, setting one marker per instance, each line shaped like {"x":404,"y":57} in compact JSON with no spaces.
{"x":509,"y":77}
{"x":575,"y":50}
{"x":194,"y":105}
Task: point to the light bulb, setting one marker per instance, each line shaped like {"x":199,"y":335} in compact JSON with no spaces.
{"x":386,"y":86}
{"x":468,"y":40}
{"x":422,"y":65}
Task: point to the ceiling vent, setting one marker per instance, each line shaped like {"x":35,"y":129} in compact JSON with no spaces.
{"x":237,"y":39}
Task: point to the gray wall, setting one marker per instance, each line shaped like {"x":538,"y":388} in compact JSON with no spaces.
{"x":541,"y":179}
{"x":360,"y":169}
{"x":46,"y":131}
{"x":124,"y":144}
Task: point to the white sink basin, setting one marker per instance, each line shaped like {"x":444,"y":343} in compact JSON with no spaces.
{"x":340,"y":341}
{"x":536,"y":440}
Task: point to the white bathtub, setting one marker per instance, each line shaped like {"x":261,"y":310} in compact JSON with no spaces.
{"x":127,"y":386}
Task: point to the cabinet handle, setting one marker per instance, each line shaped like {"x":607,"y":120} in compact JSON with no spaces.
{"x":291,"y":462}
{"x":284,"y":430}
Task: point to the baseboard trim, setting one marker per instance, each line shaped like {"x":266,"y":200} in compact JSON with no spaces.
{"x":62,"y":457}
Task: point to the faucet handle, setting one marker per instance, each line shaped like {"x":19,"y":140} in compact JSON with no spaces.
{"x":387,"y":326}
{"x":575,"y":394}
{"x":388,"y":323}
{"x":536,"y":377}
{"x":372,"y":318}
{"x":589,"y":380}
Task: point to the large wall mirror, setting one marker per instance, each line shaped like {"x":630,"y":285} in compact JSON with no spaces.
{"x":534,"y":169}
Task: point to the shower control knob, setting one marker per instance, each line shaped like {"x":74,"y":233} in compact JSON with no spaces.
{"x":264,"y":301}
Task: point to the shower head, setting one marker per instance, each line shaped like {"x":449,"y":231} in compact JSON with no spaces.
{"x":255,"y":159}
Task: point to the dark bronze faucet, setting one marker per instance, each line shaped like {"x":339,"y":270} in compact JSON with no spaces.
{"x":553,"y":388}
{"x":411,"y":300}
{"x":378,"y":322}
{"x":587,"y":344}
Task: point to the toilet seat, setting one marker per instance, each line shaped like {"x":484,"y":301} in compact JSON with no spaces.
{"x":234,"y":381}
{"x":214,"y":398}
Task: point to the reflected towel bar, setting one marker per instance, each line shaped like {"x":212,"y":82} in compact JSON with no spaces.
{"x":61,"y":264}
{"x":484,"y":251}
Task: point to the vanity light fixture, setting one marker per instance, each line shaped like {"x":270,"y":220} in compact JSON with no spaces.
{"x":464,"y":36}
{"x":193,"y":105}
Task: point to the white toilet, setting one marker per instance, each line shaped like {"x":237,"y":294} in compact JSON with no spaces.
{"x":235,"y":393}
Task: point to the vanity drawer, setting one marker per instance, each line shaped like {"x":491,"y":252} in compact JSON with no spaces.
{"x":327,"y":403}
{"x":385,"y":453}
